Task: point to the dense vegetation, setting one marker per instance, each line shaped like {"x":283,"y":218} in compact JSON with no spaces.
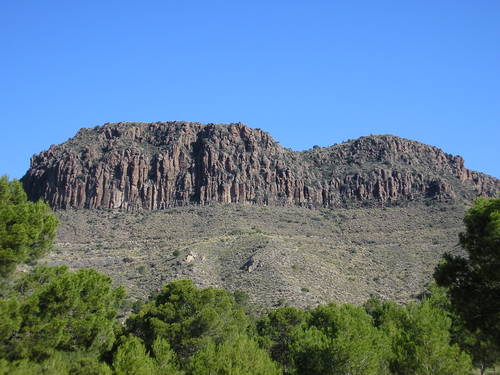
{"x":27,"y":229}
{"x":57,"y":321}
{"x":473,"y":282}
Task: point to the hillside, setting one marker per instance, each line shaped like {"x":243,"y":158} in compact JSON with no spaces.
{"x":227,"y":206}
{"x":278,"y":255}
{"x":160,"y":165}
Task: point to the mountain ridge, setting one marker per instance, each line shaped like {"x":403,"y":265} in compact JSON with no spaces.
{"x":238,"y":214}
{"x":158,"y":165}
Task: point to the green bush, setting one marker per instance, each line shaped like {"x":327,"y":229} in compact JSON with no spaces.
{"x":58,"y":310}
{"x":188,"y":317}
{"x":27,"y":229}
{"x":473,"y":282}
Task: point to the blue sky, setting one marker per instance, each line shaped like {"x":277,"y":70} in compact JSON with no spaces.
{"x":315,"y":72}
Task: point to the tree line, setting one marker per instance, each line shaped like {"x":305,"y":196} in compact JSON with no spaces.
{"x":57,"y":321}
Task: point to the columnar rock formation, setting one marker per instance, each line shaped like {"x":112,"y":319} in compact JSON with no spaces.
{"x":158,"y":165}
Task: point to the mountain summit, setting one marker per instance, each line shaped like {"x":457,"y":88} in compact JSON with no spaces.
{"x":158,"y":165}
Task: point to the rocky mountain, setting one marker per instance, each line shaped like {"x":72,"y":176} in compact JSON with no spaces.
{"x":158,"y":165}
{"x":398,"y":206}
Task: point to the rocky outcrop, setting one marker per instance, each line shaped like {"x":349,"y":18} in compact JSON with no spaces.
{"x":158,"y":165}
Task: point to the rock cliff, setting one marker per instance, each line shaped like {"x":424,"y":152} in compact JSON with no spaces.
{"x":159,"y":165}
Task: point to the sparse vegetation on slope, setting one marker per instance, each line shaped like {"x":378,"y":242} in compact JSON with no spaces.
{"x":277,"y":255}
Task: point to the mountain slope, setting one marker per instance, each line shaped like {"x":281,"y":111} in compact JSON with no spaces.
{"x":160,"y":165}
{"x":227,"y":206}
{"x":278,"y":255}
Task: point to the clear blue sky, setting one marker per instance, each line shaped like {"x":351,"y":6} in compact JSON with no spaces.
{"x":308,"y":72}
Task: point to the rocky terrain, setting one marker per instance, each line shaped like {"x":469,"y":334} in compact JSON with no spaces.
{"x":159,"y":165}
{"x":227,"y":206}
{"x":277,"y":255}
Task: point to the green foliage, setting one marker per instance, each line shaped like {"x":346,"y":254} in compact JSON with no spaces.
{"x":420,"y":340}
{"x":53,"y":321}
{"x":166,"y":358}
{"x":188,"y":317}
{"x":473,"y":282}
{"x":25,"y":367}
{"x":58,"y":310}
{"x":26,"y":229}
{"x":59,"y":364}
{"x":80,"y":363}
{"x":238,"y":355}
{"x":242,"y":299}
{"x":483,"y":351}
{"x":311,"y":353}
{"x":277,"y":331}
{"x":131,"y":358}
{"x":340,"y":340}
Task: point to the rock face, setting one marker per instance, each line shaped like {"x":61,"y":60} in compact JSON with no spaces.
{"x":159,"y":165}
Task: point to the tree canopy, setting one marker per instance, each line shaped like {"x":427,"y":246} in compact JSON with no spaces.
{"x":27,"y":229}
{"x":473,"y":282}
{"x":58,"y":310}
{"x":340,"y":339}
{"x":238,"y":355}
{"x":188,"y":317}
{"x":420,"y":340}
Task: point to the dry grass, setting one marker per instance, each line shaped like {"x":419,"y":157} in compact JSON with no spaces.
{"x":278,"y":255}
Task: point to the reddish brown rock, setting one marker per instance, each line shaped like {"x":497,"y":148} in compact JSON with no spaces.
{"x":158,"y":165}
